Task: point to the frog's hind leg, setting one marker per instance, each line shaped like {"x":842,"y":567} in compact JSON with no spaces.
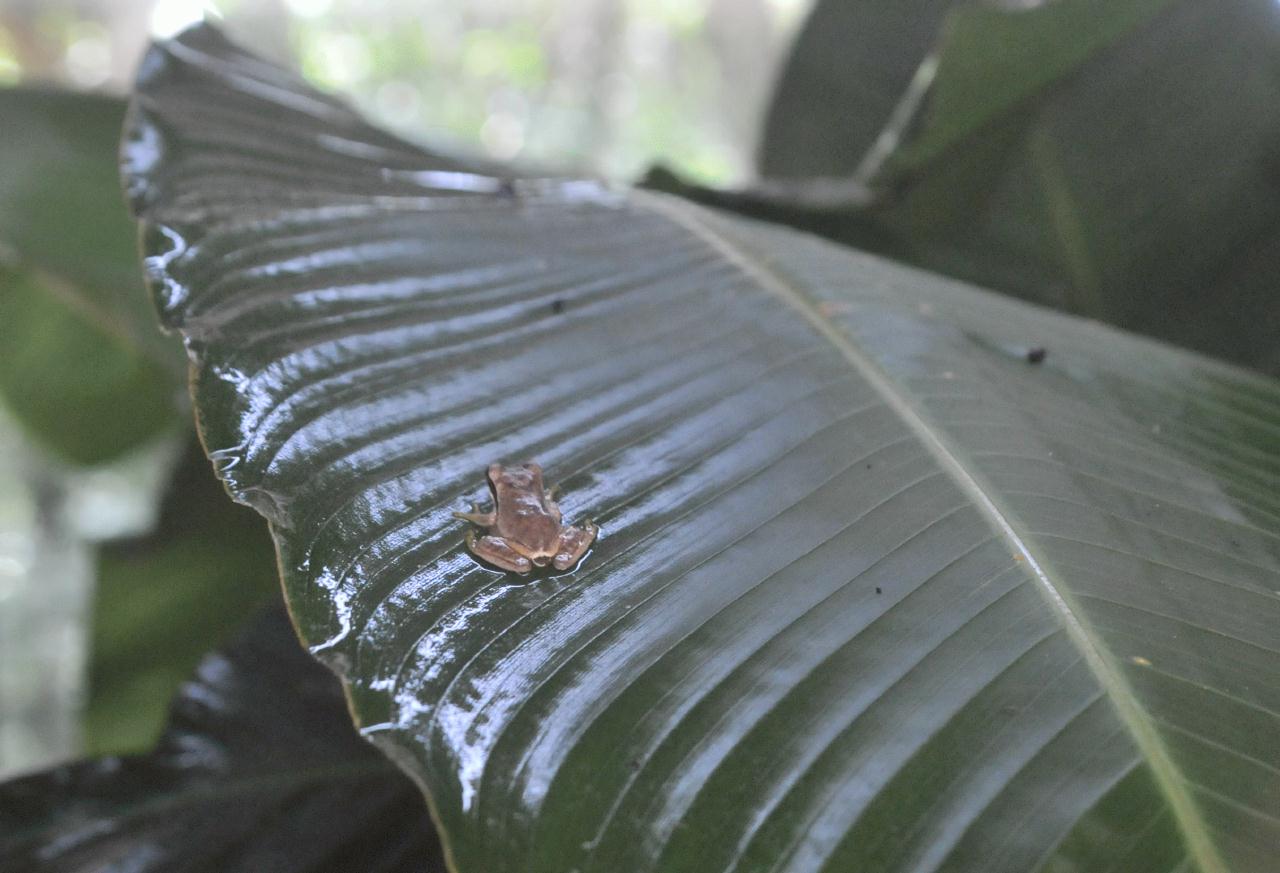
{"x":494,"y":550}
{"x":573,"y":544}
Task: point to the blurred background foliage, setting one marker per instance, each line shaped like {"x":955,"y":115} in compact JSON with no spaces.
{"x":1115,"y":159}
{"x":602,"y":86}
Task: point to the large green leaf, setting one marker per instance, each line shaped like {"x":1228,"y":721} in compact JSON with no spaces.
{"x":1114,"y":159}
{"x":162,"y":600}
{"x":848,"y":70}
{"x":80,"y":390}
{"x":259,"y":771}
{"x":60,"y":204}
{"x":859,"y":71}
{"x":83,"y":369}
{"x":876,"y":588}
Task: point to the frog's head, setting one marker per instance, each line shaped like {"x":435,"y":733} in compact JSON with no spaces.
{"x":520,"y":477}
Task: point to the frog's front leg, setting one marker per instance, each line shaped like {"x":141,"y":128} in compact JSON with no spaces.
{"x":573,"y":544}
{"x":494,"y":550}
{"x":484,"y":519}
{"x":549,"y":501}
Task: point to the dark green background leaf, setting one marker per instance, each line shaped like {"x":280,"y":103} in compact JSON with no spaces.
{"x":846,"y":74}
{"x":163,"y":600}
{"x":78,"y":388}
{"x":84,"y":369}
{"x":1113,"y":159}
{"x":876,"y":589}
{"x":88,"y":374}
{"x":259,"y":770}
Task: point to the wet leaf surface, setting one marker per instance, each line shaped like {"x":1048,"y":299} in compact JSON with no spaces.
{"x":873,"y":589}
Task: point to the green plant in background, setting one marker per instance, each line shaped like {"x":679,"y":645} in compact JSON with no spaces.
{"x":1113,"y":159}
{"x":893,"y":573}
{"x":260,"y":734}
{"x":85,"y":370}
{"x":86,"y":375}
{"x":598,"y":87}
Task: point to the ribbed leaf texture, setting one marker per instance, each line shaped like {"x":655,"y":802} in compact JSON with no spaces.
{"x":877,"y":588}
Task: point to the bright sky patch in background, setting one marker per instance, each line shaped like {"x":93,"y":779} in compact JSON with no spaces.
{"x":600,"y":86}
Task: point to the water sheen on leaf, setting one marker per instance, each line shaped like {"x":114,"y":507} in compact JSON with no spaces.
{"x":873,"y":590}
{"x":259,"y":770}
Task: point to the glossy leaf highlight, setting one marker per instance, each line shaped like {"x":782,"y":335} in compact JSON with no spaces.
{"x":876,"y":587}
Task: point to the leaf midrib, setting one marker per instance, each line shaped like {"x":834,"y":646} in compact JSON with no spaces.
{"x":1113,"y":683}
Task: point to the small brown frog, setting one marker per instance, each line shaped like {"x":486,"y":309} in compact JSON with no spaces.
{"x":525,"y":530}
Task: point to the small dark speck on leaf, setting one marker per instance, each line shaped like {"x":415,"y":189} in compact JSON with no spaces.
{"x":507,"y":188}
{"x":1036,"y":354}
{"x":557,"y":306}
{"x":879,"y":590}
{"x":868,"y":466}
{"x":634,"y":763}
